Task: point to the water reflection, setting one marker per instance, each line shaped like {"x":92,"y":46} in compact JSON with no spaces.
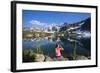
{"x":72,"y":46}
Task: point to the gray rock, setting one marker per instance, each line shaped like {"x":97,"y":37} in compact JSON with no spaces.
{"x":47,"y":58}
{"x":61,"y":58}
{"x":39,"y":58}
{"x":66,"y":59}
{"x":81,"y":58}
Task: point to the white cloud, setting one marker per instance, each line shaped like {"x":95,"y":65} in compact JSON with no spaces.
{"x":38,"y":23}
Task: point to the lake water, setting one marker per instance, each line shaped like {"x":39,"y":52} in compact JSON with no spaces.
{"x":48,"y":45}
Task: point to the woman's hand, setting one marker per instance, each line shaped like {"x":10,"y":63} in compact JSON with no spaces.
{"x":62,"y":48}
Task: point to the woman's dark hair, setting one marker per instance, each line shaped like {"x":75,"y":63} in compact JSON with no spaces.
{"x":57,"y":45}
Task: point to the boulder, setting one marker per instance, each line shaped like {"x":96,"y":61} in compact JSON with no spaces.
{"x":47,"y":58}
{"x":81,"y":58}
{"x":61,"y":58}
{"x":39,"y":58}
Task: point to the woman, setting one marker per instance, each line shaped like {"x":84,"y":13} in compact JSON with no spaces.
{"x":58,"y":50}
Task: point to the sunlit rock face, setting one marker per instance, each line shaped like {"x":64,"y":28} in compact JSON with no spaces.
{"x":81,"y":29}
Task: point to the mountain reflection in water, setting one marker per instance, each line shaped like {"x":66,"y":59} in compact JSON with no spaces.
{"x":48,"y":45}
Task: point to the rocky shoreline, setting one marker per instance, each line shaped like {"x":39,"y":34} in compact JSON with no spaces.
{"x":61,"y":58}
{"x":44,"y":58}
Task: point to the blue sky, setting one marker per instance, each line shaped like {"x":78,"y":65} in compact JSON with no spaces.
{"x":32,"y":17}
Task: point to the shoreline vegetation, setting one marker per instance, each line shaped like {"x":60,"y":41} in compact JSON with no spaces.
{"x":39,"y":56}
